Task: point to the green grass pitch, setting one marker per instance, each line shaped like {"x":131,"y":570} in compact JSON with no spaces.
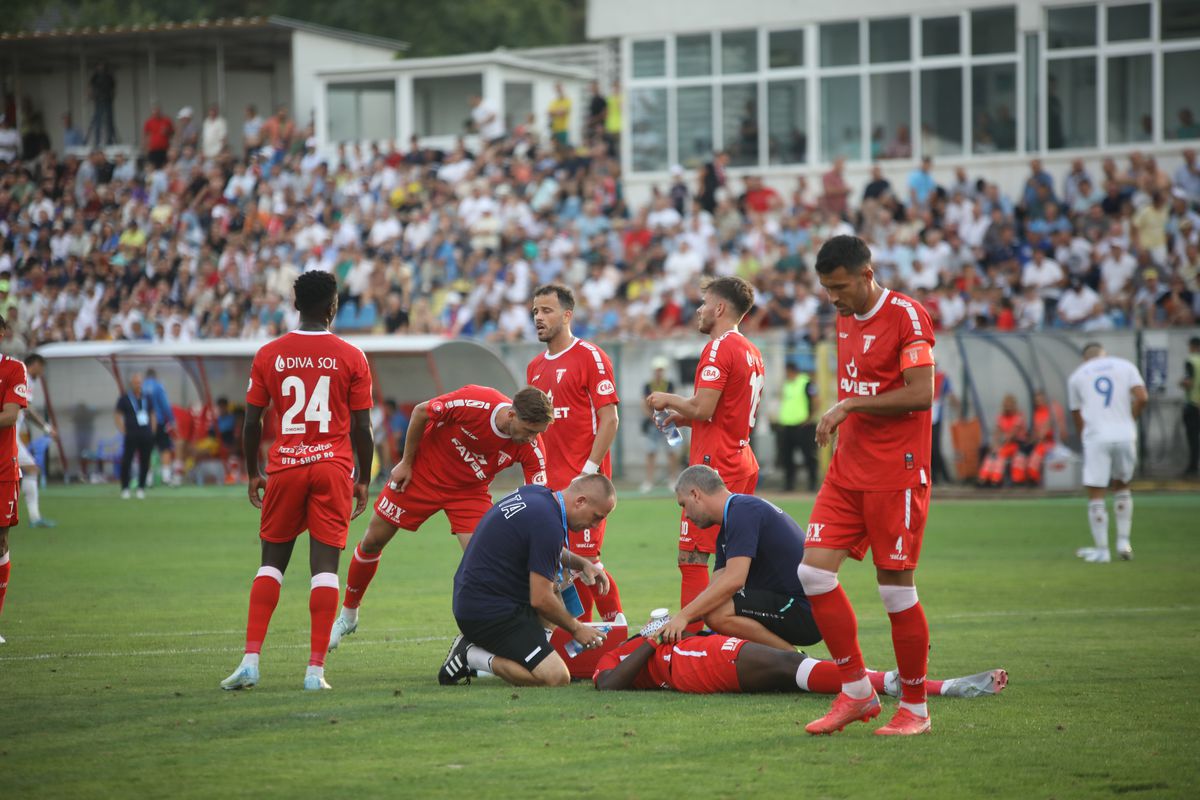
{"x":121,"y":622}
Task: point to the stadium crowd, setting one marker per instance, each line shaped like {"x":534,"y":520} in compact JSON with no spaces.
{"x":189,"y":240}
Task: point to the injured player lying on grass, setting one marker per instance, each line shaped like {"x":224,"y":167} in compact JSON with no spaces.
{"x":711,"y":664}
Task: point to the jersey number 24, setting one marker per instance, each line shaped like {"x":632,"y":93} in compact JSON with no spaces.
{"x":316,"y":410}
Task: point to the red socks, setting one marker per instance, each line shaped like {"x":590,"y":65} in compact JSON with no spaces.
{"x":824,"y":678}
{"x":5,"y":568}
{"x":910,"y":637}
{"x":695,"y":581}
{"x":358,"y":577}
{"x":839,"y":628}
{"x":585,"y":599}
{"x":608,"y":605}
{"x":264,"y":596}
{"x":322,"y":608}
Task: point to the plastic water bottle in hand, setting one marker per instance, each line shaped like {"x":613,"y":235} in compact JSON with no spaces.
{"x":674,"y":437}
{"x":574,"y":648}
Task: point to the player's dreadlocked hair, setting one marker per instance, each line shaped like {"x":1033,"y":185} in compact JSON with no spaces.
{"x":315,"y":292}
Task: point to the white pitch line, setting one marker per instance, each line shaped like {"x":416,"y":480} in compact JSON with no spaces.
{"x":169,"y":634}
{"x":1063,"y":612}
{"x":203,"y":650}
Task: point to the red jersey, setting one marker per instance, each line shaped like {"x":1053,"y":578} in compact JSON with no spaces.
{"x":734,"y":367}
{"x":876,"y":453}
{"x":315,"y":380}
{"x":14,"y":388}
{"x":463,"y":447}
{"x":1011,"y":427}
{"x":158,"y":132}
{"x":579,"y":380}
{"x":656,"y":674}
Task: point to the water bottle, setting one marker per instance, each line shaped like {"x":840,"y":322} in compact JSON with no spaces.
{"x":674,"y":437}
{"x":574,"y":648}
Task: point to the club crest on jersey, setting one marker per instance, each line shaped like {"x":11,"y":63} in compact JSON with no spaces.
{"x":502,"y":459}
{"x":710,"y":373}
{"x":867,"y":342}
{"x":558,"y":373}
{"x":605,"y":387}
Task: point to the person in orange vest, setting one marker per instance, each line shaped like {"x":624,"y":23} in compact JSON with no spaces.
{"x":1010,"y":435}
{"x":1047,"y":423}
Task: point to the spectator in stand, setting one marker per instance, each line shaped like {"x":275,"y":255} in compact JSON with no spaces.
{"x":10,"y":141}
{"x":187,"y":132}
{"x":102,"y":88}
{"x":712,"y":178}
{"x":921,"y":185}
{"x":1080,"y":308}
{"x":278,"y":133}
{"x":252,"y":125}
{"x":157,"y":133}
{"x":836,"y":190}
{"x":485,"y":120}
{"x":560,"y":116}
{"x":213,"y":133}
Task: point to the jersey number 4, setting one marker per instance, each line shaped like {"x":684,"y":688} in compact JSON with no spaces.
{"x":316,"y":410}
{"x":756,"y":387}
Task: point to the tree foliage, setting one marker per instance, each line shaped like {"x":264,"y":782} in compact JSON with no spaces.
{"x":433,"y":28}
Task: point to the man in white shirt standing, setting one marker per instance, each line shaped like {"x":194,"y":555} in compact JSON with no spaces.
{"x":213,"y":133}
{"x":485,"y":119}
{"x":1106,"y":395}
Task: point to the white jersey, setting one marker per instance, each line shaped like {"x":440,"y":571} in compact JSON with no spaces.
{"x":1100,"y":390}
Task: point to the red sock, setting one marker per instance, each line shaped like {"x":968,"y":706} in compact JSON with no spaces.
{"x":825,"y":678}
{"x":608,"y":605}
{"x":839,"y":628}
{"x":932,"y":686}
{"x":695,"y":581}
{"x":322,"y":608}
{"x":358,"y":577}
{"x":910,"y":638}
{"x":264,"y":596}
{"x":585,"y":599}
{"x":5,"y":568}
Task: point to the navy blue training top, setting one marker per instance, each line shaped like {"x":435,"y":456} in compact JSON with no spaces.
{"x":761,"y":531}
{"x":525,"y":532}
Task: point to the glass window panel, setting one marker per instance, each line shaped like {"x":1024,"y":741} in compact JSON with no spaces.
{"x":362,"y":111}
{"x":438,"y":103}
{"x":739,"y":52}
{"x":940,"y":36}
{"x":891,"y":115}
{"x":1071,"y":103}
{"x":993,"y":108}
{"x":890,"y":40}
{"x":841,"y":118}
{"x":993,"y":30}
{"x":650,"y":59}
{"x":648,"y":129}
{"x":1180,"y":19}
{"x":787,"y":122}
{"x":1073,"y":26}
{"x":341,"y":110}
{"x":1129,"y":23}
{"x":694,"y":124}
{"x":518,"y":104}
{"x":739,"y":123}
{"x":693,"y":56}
{"x":941,"y":112}
{"x":1033,"y":93}
{"x":1181,"y":95}
{"x":839,"y":44}
{"x":1130,"y":115}
{"x":786,"y":48}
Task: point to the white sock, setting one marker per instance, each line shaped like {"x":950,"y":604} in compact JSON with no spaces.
{"x":920,"y":709}
{"x":350,"y":615}
{"x":804,"y":671}
{"x":859,"y":689}
{"x":479,"y":659}
{"x":1123,"y":511}
{"x":318,"y":671}
{"x":166,"y":475}
{"x":29,"y":488}
{"x":250,"y":660}
{"x":1098,"y":519}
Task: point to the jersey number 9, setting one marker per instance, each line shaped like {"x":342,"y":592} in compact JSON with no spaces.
{"x":317,"y":409}
{"x":1104,"y":386}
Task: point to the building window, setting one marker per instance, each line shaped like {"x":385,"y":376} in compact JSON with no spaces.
{"x":739,"y":52}
{"x":1130,"y":92}
{"x":693,"y":56}
{"x":994,"y":108}
{"x":891,"y":115}
{"x":993,"y":31}
{"x":1181,"y":95}
{"x":1071,"y":103}
{"x":441,"y":105}
{"x":739,"y":123}
{"x":890,"y":40}
{"x":940,"y":36}
{"x":648,"y":129}
{"x":1179,"y":19}
{"x":650,"y":59}
{"x":1128,"y":23}
{"x":1072,"y":26}
{"x":694,"y":124}
{"x":787,"y":122}
{"x":361,"y":111}
{"x":941,"y":120}
{"x":518,"y":103}
{"x":841,"y":118}
{"x":786,"y":49}
{"x":839,"y":44}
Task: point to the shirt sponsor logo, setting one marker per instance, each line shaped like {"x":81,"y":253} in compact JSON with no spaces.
{"x":474,"y":460}
{"x":304,"y":453}
{"x":21,"y":390}
{"x":852,"y":369}
{"x":899,"y":554}
{"x":389,"y":509}
{"x":814,"y":531}
{"x":560,"y":412}
{"x":468,"y":434}
{"x":710,"y":373}
{"x":605,"y":387}
{"x":285,"y":363}
{"x":539,"y":478}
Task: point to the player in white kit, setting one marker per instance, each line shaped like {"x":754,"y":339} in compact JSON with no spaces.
{"x":35,"y":367}
{"x":1106,"y":395}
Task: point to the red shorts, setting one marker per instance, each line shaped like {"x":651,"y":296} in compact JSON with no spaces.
{"x":420,"y":501}
{"x":9,"y":491}
{"x":587,"y":542}
{"x":891,"y":523}
{"x":318,"y":498}
{"x":706,"y":664}
{"x":705,"y":539}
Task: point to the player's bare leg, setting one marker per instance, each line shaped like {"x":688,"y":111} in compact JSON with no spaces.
{"x":693,"y":570}
{"x":552,"y":671}
{"x":5,"y":567}
{"x":30,"y":475}
{"x":322,"y":606}
{"x":1098,"y":522}
{"x":363,"y":565}
{"x":762,"y":668}
{"x":725,"y":621}
{"x":464,"y":539}
{"x":264,"y":597}
{"x":1123,"y":511}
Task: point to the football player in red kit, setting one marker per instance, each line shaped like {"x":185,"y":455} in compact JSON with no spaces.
{"x":876,"y":493}
{"x":579,"y":380}
{"x":721,"y":413}
{"x":455,"y":446}
{"x":14,"y":396}
{"x":322,"y":386}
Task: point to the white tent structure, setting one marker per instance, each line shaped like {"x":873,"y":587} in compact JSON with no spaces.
{"x":84,"y":380}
